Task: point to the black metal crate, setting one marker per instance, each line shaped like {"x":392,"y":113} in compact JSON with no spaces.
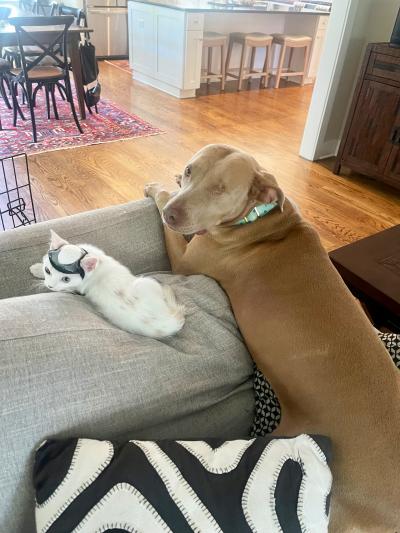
{"x":16,"y":202}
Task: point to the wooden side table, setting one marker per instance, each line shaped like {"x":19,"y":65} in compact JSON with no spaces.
{"x":371,"y":269}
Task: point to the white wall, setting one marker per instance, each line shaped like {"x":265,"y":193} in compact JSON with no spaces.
{"x":353,"y":24}
{"x":381,"y":19}
{"x":74,"y":3}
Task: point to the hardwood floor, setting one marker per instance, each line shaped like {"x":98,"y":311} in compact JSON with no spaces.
{"x":267,"y":123}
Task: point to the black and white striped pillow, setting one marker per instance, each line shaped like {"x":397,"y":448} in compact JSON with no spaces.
{"x":263,"y":485}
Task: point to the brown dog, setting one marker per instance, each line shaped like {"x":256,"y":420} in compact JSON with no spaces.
{"x":303,"y":328}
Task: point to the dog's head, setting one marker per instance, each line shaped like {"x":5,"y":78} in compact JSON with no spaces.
{"x":219,"y":185}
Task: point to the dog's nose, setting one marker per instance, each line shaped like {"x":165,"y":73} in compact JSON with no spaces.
{"x":172,"y":215}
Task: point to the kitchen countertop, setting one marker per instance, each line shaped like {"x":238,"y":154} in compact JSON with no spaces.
{"x":218,"y":6}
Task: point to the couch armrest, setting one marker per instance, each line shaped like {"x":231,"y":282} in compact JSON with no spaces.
{"x":131,"y":233}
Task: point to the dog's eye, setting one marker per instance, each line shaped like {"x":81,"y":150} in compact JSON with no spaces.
{"x":188,"y":171}
{"x":47,"y":271}
{"x":66,"y":279}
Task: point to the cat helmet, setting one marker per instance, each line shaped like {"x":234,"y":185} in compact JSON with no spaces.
{"x":71,"y":268}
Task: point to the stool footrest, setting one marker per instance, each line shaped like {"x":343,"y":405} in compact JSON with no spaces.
{"x":247,"y":73}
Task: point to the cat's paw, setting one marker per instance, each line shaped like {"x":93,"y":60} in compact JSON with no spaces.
{"x":37,"y":270}
{"x":152,"y":189}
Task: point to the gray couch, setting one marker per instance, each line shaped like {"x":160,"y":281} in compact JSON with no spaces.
{"x":65,"y":371}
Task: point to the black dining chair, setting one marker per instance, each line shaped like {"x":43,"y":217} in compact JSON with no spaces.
{"x":11,"y":53}
{"x":78,"y":14}
{"x":5,"y":66}
{"x":33,"y":73}
{"x":5,"y":87}
{"x":41,"y":5}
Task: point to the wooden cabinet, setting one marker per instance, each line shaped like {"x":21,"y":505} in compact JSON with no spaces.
{"x":371,"y":139}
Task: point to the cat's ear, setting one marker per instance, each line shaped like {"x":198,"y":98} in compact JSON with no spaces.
{"x":37,"y":270}
{"x":56,"y":241}
{"x":89,"y":263}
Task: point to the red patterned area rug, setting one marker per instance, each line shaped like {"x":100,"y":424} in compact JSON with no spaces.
{"x":110,"y":124}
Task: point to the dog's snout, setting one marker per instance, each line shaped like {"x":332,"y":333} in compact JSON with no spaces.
{"x":172,"y":215}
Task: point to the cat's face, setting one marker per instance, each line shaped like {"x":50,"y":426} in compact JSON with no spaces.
{"x":69,"y":253}
{"x":58,"y":281}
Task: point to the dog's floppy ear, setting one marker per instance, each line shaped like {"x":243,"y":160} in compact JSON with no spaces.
{"x":265,"y":189}
{"x":178,"y":179}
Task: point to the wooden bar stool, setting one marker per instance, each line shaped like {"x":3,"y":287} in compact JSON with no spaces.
{"x":291,"y":42}
{"x":250,"y":41}
{"x":211,"y":40}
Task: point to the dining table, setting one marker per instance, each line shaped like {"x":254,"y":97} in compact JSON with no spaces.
{"x":45,"y":35}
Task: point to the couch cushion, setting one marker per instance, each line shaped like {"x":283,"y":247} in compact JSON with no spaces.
{"x":66,"y":371}
{"x":131,"y":233}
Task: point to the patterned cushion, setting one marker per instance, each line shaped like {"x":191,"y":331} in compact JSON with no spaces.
{"x":267,"y":409}
{"x":392,"y":343}
{"x":266,"y":485}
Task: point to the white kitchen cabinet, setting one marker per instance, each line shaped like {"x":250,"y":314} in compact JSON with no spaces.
{"x":165,"y":43}
{"x":170,"y":46}
{"x":193,"y":52}
{"x":317,"y":47}
{"x":165,"y":48}
{"x":142,"y":40}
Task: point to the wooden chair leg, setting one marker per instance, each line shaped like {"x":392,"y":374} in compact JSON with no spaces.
{"x":87,"y":105}
{"x":16,"y":108}
{"x":3,"y":93}
{"x":37,"y":89}
{"x":291,"y":50}
{"x":47,"y":92}
{"x":280,"y":66}
{"x":228,"y":58}
{"x":223,"y":68}
{"x":241,"y":66}
{"x":252,"y":59}
{"x":15,"y":103}
{"x":264,"y":79}
{"x":61,"y":90}
{"x":209,"y":63}
{"x":70,"y":99}
{"x":31,"y":110}
{"x":306,"y":59}
{"x":53,"y":100}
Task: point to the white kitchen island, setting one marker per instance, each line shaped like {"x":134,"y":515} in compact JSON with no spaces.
{"x":165,"y":38}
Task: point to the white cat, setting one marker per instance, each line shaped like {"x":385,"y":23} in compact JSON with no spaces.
{"x":135,"y":304}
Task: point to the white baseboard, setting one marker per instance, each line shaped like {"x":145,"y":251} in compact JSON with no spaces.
{"x":327,"y":149}
{"x":163,"y":86}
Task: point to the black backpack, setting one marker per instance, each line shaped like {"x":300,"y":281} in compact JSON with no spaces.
{"x":90,"y":72}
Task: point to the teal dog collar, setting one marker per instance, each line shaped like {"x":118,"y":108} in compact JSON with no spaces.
{"x":257,"y":212}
